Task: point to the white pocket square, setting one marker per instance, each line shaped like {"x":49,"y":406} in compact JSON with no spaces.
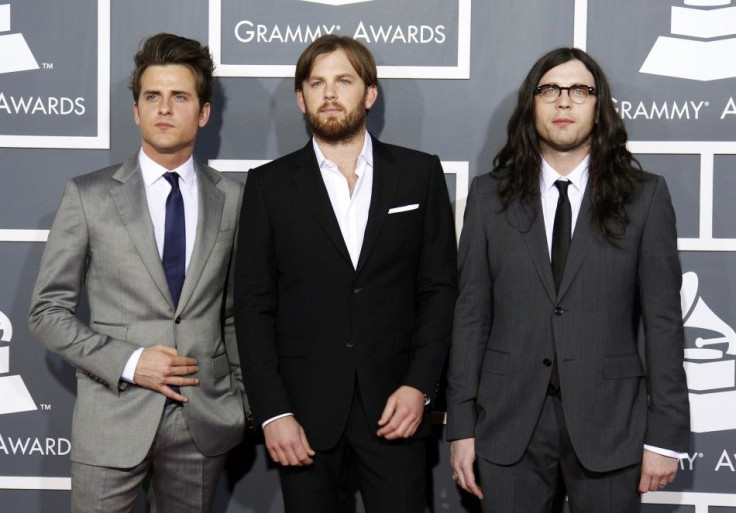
{"x":405,"y":208}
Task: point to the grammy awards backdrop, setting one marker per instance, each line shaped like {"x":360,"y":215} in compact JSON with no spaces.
{"x":449,"y":71}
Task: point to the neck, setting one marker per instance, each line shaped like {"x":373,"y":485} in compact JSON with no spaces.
{"x":343,"y":153}
{"x":565,"y":162}
{"x":169,"y":161}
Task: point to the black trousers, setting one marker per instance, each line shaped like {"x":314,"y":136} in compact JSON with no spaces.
{"x":389,"y":474}
{"x":549,"y":470}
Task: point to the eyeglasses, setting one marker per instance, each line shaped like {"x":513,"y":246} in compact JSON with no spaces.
{"x":578,"y":93}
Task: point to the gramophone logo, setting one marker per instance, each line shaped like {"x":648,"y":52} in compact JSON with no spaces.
{"x":702,"y":46}
{"x":710,"y":365}
{"x":14,"y":396}
{"x":15,"y":55}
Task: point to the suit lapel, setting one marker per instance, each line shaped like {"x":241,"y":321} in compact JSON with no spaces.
{"x":309,"y":181}
{"x":580,"y":244}
{"x":385,"y":180}
{"x":211,"y":204}
{"x":535,"y":238}
{"x":130,"y":199}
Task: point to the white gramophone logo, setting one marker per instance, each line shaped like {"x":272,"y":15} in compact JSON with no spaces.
{"x":15,"y":55}
{"x":711,"y":371}
{"x":14,"y":395}
{"x":706,"y":52}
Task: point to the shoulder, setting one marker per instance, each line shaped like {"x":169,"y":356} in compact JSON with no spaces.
{"x":394,"y":153}
{"x":222,"y":180}
{"x":282,"y":167}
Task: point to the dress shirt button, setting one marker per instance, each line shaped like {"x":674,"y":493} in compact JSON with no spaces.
{"x":178,"y":320}
{"x":351,"y":343}
{"x":357,"y":291}
{"x":547,"y":362}
{"x":559,"y":311}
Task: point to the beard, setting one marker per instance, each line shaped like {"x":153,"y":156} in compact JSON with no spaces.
{"x":335,"y":129}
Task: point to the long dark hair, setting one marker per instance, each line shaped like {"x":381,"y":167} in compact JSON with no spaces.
{"x":613,"y":170}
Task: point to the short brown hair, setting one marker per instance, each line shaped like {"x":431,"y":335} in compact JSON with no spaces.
{"x":163,"y":49}
{"x":359,"y":56}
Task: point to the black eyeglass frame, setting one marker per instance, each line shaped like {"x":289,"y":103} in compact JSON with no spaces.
{"x":590,"y":90}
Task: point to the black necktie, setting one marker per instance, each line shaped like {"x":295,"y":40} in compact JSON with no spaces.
{"x":561,"y":232}
{"x":175,"y":240}
{"x":561,"y":235}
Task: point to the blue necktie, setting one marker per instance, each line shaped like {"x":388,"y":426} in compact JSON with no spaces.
{"x":175,"y":241}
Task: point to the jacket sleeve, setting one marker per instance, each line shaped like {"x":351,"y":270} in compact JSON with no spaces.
{"x":660,"y":279}
{"x":436,"y":287}
{"x":473,"y":320}
{"x":52,"y":318}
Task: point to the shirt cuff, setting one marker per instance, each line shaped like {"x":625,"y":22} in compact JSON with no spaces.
{"x":665,"y":452}
{"x":277,"y":417}
{"x":129,"y":370}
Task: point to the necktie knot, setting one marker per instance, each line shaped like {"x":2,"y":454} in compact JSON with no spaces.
{"x":173,"y":179}
{"x":562,"y":186}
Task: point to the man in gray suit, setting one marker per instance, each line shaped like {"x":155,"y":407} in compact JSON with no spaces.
{"x":159,"y":388}
{"x":567,"y":246}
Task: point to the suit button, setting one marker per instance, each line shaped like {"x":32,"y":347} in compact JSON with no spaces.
{"x":357,"y":291}
{"x":178,"y":320}
{"x":546,"y":362}
{"x":559,"y":311}
{"x":351,"y":343}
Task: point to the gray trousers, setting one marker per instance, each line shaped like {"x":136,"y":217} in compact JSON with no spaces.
{"x":183,"y":480}
{"x":549,"y":470}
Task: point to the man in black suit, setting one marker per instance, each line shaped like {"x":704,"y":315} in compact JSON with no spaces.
{"x":344,"y":295}
{"x":567,"y":245}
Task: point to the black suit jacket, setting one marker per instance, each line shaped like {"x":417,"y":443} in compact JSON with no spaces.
{"x":310,"y":325}
{"x":510,"y":320}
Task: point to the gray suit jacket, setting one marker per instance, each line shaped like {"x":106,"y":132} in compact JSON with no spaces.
{"x":509,"y":319}
{"x":103,"y":235}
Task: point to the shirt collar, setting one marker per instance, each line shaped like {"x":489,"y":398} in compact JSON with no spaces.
{"x":153,"y":171}
{"x":578,"y":177}
{"x":366,"y":153}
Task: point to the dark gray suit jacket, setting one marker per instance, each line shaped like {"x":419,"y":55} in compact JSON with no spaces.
{"x":103,"y":235}
{"x":508,"y":317}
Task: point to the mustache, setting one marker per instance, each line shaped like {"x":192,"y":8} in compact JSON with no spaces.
{"x":331,"y":105}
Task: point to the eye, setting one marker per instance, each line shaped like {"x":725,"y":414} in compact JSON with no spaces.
{"x":151,"y":97}
{"x":549,"y":91}
{"x":316,"y":83}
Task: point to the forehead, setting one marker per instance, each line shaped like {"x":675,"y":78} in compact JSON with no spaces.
{"x":568,"y":73}
{"x":336,"y":62}
{"x":175,"y":76}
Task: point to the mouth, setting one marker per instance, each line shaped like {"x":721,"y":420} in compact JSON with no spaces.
{"x":164,"y":126}
{"x":331,"y":109}
{"x":563,"y":122}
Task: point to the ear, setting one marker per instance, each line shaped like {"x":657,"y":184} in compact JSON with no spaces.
{"x":371,"y":95}
{"x":136,"y":116}
{"x":204,"y":114}
{"x":300,"y":101}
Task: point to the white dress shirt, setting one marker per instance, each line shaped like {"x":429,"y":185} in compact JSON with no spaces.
{"x":351,"y":211}
{"x":575,"y":191}
{"x":157,"y":190}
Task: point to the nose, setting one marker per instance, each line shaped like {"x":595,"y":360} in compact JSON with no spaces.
{"x":164,"y":107}
{"x":329,"y":91}
{"x":564,"y":101}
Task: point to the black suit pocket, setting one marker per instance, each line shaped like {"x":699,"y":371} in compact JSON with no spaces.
{"x":292,"y":347}
{"x":495,"y":362}
{"x":621,"y":367}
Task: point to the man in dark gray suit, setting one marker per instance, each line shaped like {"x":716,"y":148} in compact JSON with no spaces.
{"x":567,"y":246}
{"x":159,"y":386}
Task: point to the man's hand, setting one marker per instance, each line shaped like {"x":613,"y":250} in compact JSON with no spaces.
{"x":160,"y":366}
{"x":657,"y":471}
{"x":402,"y":415}
{"x":287,"y":442}
{"x":462,"y":457}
